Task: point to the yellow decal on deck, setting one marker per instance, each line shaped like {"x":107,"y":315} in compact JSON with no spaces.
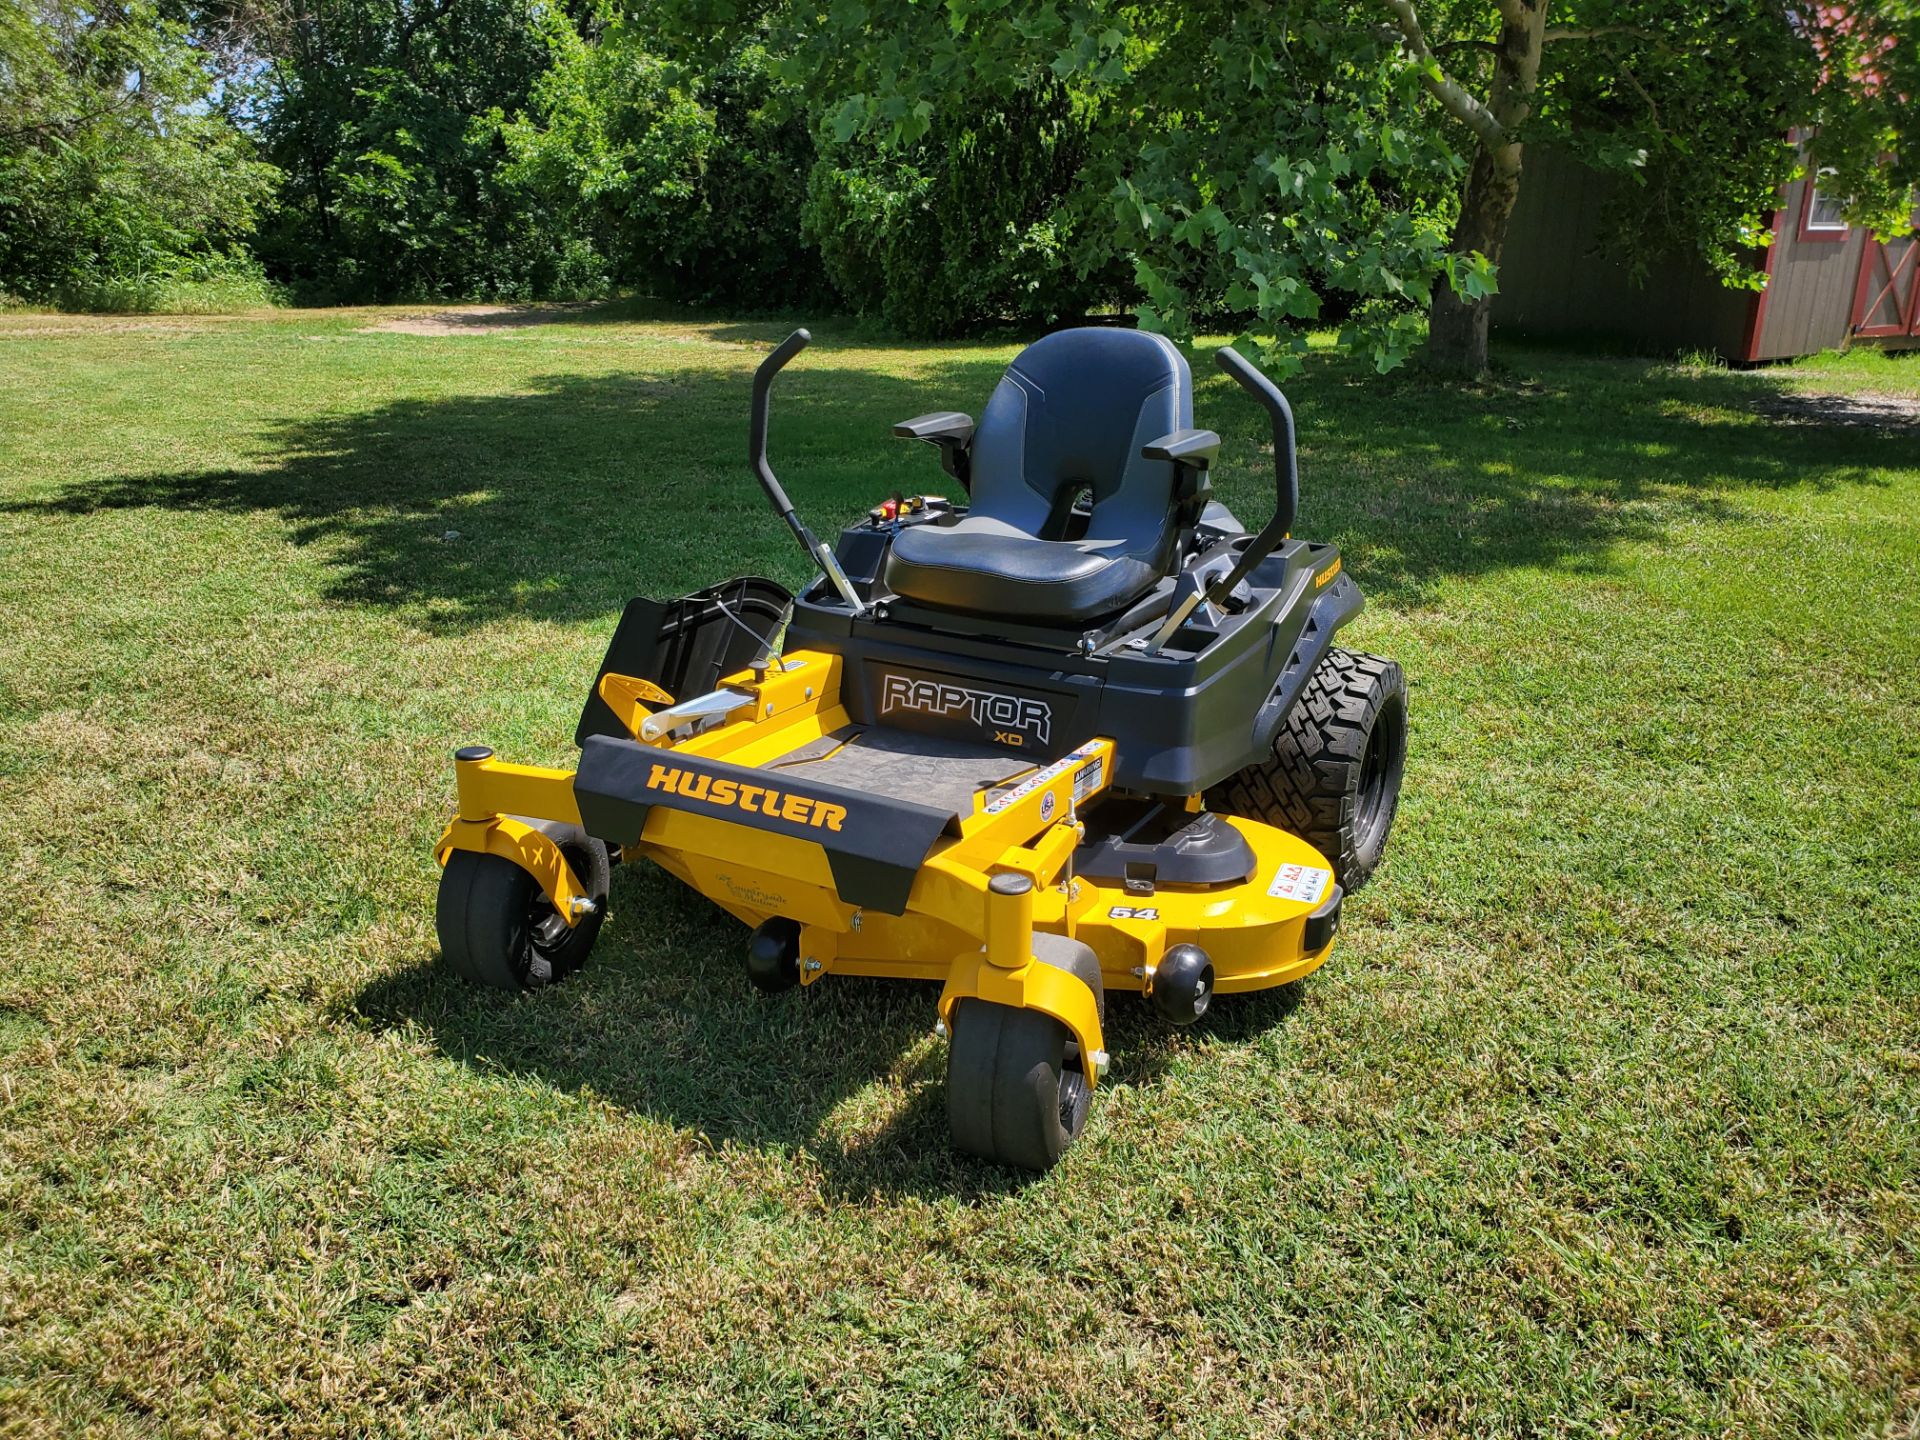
{"x":1325,"y":575}
{"x":755,"y":799}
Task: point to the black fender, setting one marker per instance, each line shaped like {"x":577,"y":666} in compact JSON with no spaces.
{"x":1332,"y":609}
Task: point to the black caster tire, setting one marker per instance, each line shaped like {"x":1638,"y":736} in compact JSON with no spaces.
{"x":498,"y":930}
{"x":1334,"y":778}
{"x":1016,"y":1090}
{"x":1180,"y":987}
{"x":773,"y":955}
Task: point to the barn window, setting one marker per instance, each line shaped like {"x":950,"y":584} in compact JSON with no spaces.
{"x":1822,"y":213}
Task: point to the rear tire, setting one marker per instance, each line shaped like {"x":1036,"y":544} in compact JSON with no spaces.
{"x":1016,"y":1090}
{"x":498,"y":929}
{"x":1334,"y":779}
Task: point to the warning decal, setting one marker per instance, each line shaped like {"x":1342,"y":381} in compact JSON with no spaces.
{"x":1087,"y":778}
{"x":1304,"y":883}
{"x":1034,"y":781}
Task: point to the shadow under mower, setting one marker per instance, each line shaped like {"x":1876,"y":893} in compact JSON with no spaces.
{"x":1080,"y":733}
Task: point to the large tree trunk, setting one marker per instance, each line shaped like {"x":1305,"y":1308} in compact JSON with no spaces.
{"x":1457,"y":328}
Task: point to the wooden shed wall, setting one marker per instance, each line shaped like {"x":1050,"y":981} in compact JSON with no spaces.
{"x":1810,"y":287}
{"x":1552,"y":284}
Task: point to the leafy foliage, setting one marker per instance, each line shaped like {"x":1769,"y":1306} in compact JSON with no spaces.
{"x":1693,"y":107}
{"x":386,"y":120}
{"x":1276,"y":162}
{"x":114,"y":177}
{"x":688,"y":180}
{"x":1865,"y":123}
{"x":1236,"y":162}
{"x":976,"y":221}
{"x":1257,"y":167}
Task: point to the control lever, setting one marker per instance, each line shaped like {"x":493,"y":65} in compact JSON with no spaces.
{"x":817,"y":551}
{"x":1286,"y":474}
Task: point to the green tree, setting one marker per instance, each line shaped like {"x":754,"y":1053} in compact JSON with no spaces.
{"x":1272,"y":156}
{"x":689,"y":178}
{"x":1694,"y":103}
{"x":975,"y":222}
{"x":113,"y":167}
{"x":1241,"y":162}
{"x":385,"y":117}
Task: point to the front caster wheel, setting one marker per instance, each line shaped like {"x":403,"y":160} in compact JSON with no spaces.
{"x":498,"y":929}
{"x":1180,"y":987}
{"x":1016,"y":1090}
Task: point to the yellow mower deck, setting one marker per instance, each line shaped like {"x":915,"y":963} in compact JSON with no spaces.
{"x":748,"y":810}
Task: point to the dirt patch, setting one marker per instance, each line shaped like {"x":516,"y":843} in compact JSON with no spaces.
{"x":477,"y":319}
{"x":1873,"y":412}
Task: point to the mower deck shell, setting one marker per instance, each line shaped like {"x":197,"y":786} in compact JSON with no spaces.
{"x":883,"y":886}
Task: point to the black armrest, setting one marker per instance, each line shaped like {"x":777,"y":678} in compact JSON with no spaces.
{"x":943,"y":427}
{"x":952,"y":432}
{"x":1193,"y":448}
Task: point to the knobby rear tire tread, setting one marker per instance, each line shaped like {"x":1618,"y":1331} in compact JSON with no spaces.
{"x":1309,"y":786}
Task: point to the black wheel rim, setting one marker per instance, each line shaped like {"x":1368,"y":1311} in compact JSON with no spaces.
{"x":1074,"y":1100}
{"x":1376,"y":766}
{"x":545,"y":924}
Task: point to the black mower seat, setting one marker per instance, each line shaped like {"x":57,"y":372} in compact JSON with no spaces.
{"x":1071,"y":415}
{"x":988,"y":567}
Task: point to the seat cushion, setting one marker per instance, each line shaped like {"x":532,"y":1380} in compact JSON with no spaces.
{"x":991,"y":568}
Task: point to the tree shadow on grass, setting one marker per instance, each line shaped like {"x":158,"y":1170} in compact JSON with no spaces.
{"x":562,"y":500}
{"x":1557,"y":462}
{"x":664,"y":1023}
{"x":557,"y":503}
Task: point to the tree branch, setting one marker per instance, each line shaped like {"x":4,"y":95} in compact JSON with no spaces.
{"x":1652,"y":108}
{"x":1593,"y":32}
{"x":1444,"y":88}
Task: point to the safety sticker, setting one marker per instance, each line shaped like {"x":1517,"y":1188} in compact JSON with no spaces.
{"x":1087,"y":778}
{"x":1008,"y":798}
{"x":1299,"y":882}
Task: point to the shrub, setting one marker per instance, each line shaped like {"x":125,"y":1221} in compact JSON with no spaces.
{"x":199,"y":285}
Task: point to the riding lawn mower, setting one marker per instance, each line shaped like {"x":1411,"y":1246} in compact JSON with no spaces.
{"x":1074,"y":731}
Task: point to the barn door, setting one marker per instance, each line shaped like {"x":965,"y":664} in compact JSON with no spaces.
{"x":1887,"y":299}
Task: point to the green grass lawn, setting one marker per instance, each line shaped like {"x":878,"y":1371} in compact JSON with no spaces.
{"x":1603,"y":1119}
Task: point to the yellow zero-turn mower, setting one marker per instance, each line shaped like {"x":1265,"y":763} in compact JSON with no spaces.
{"x":1081,"y":733}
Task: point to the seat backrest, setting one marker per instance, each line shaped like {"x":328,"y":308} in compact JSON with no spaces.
{"x":1072,"y":412}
